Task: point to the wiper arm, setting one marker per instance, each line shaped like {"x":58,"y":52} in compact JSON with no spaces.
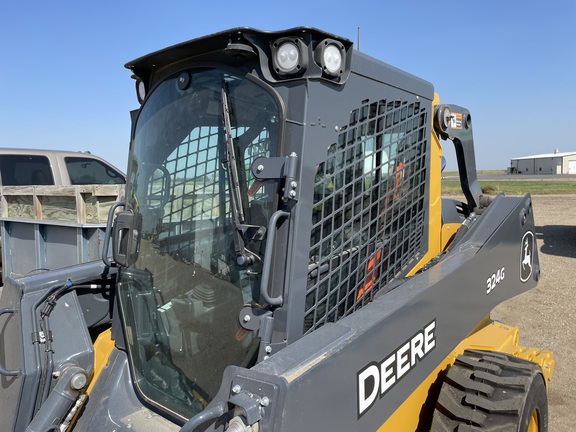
{"x":243,"y":256}
{"x":232,"y":168}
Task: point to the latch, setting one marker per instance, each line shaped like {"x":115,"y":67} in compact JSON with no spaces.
{"x":255,"y":318}
{"x":279,"y":168}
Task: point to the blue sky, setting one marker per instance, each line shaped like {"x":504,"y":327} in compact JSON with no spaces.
{"x":63,"y":84}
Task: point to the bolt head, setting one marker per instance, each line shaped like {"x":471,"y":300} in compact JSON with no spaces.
{"x":236,"y":389}
{"x":78,"y":381}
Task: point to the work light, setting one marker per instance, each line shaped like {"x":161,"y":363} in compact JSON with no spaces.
{"x":329,"y":54}
{"x":288,"y":56}
{"x":140,"y":90}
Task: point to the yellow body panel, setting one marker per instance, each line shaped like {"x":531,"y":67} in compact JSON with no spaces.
{"x":448,"y":232}
{"x":102,"y":349}
{"x":435,"y":222}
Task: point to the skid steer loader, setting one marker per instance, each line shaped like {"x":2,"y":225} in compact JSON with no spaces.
{"x":283,"y":261}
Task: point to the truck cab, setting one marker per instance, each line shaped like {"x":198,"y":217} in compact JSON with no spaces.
{"x":28,"y":167}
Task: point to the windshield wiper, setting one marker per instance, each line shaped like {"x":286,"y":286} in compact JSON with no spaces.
{"x":241,"y":230}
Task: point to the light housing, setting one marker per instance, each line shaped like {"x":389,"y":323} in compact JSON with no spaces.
{"x":330,"y":55}
{"x":140,"y":90}
{"x":289,"y":56}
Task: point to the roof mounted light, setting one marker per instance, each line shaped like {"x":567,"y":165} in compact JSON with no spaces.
{"x":288,"y":56}
{"x":330,"y":55}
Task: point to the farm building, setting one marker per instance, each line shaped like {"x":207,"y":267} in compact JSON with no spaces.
{"x":550,"y":163}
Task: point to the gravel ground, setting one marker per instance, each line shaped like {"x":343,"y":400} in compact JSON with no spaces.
{"x":546,"y":315}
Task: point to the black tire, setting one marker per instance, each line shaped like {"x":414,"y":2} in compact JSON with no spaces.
{"x":490,"y":391}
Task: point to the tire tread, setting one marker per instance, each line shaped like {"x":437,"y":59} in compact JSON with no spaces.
{"x":484,"y":391}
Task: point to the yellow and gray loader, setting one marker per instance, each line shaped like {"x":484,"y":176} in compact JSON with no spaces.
{"x":283,"y":261}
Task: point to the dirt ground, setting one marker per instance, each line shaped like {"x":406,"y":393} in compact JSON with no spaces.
{"x":546,"y":315}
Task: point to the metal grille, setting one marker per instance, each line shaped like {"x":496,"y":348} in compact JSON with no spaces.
{"x":369,"y":209}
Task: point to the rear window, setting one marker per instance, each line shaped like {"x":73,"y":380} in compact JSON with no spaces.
{"x":24,"y":170}
{"x":84,"y":171}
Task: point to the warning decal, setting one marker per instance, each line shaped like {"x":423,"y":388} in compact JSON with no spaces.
{"x":456,"y":121}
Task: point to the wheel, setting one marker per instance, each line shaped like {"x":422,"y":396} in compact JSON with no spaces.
{"x":489,"y":391}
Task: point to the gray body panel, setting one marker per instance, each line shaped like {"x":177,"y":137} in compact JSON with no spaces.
{"x":114,"y":405}
{"x":316,"y":377}
{"x":316,"y":116}
{"x":21,"y":353}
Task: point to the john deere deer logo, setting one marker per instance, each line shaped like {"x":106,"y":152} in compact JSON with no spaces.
{"x":527,"y":256}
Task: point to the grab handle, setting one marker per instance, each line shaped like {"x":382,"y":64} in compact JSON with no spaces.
{"x":108,"y":234}
{"x":272,"y":301}
{"x":3,"y":370}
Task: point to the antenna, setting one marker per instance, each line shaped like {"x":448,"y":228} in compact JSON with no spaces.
{"x":358,"y":40}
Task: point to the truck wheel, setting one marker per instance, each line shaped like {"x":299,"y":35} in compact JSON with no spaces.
{"x":489,"y":391}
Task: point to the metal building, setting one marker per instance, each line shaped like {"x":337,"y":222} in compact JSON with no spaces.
{"x":550,"y":163}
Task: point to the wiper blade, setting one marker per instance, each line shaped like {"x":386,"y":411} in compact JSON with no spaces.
{"x":244,"y":257}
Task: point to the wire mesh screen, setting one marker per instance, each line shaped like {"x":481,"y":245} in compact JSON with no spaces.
{"x":369,"y":209}
{"x":199,"y":189}
{"x":195,"y":224}
{"x":194,"y":167}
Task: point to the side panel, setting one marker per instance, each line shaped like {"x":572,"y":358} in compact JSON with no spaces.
{"x":354,"y":374}
{"x":363,"y":154}
{"x":24,"y":344}
{"x":11,"y":357}
{"x":113,"y":404}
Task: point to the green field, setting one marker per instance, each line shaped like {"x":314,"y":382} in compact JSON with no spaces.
{"x":515,"y":187}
